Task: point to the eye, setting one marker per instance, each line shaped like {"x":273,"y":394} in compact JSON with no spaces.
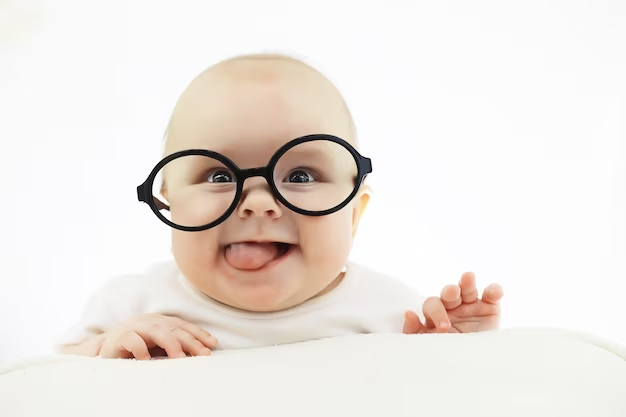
{"x":220,"y":176}
{"x":300,"y":176}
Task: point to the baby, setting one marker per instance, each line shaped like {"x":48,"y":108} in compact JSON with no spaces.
{"x":263,"y":187}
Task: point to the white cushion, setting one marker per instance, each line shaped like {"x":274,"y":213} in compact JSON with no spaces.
{"x":525,"y":373}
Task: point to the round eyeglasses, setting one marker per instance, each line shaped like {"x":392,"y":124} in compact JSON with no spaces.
{"x":197,"y":189}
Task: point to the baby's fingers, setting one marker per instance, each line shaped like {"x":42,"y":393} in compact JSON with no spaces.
{"x":412,"y":324}
{"x":469,"y":292}
{"x":190,"y":344}
{"x":493,"y":294}
{"x":206,"y":338}
{"x":129,"y":344}
{"x":164,"y":338}
{"x":436,"y":314}
{"x":451,"y":297}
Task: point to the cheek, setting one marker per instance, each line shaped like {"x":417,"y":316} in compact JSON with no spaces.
{"x":198,"y":209}
{"x":193,"y":251}
{"x":327,"y":239}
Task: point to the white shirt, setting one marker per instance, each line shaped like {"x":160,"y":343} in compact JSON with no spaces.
{"x":365,"y":301}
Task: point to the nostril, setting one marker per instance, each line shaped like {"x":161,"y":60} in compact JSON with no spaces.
{"x":260,"y":213}
{"x":258,"y":204}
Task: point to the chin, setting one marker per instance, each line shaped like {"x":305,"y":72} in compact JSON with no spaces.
{"x":277,"y":286}
{"x":263,"y":300}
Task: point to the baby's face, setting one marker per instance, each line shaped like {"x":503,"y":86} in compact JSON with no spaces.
{"x":246,"y":111}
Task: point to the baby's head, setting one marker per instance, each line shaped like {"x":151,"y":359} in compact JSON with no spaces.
{"x":246,"y":108}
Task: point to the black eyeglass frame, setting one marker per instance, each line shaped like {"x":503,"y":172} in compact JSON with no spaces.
{"x":144,"y":191}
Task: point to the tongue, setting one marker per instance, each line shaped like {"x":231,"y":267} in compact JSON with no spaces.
{"x":250,"y":255}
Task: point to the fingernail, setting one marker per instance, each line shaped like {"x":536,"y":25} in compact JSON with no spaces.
{"x":206,"y":351}
{"x":444,"y":324}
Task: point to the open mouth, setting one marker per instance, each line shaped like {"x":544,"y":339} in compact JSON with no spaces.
{"x":255,"y":255}
{"x":282,"y":249}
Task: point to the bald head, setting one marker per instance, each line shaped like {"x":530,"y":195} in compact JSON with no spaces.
{"x":256,"y":97}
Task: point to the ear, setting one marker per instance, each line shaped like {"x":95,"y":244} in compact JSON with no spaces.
{"x":361,"y":200}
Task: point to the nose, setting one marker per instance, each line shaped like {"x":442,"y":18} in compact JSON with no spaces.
{"x":257,"y":200}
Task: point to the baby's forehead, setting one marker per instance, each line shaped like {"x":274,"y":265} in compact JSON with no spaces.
{"x":254,"y":106}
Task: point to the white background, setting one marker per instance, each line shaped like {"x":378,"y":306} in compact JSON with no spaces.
{"x":497,"y":132}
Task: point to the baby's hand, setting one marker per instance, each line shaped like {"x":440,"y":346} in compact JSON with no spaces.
{"x":176,"y":337}
{"x":458,"y":310}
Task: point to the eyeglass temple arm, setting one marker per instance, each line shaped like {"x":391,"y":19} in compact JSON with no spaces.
{"x":160,"y":205}
{"x":143,"y":196}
